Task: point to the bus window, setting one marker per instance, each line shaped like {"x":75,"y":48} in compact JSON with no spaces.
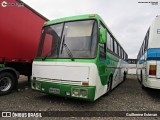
{"x":102,"y":51}
{"x":112,"y":44}
{"x":119,"y":50}
{"x":108,"y":41}
{"x":47,"y":45}
{"x":115,"y":46}
{"x":122,"y":53}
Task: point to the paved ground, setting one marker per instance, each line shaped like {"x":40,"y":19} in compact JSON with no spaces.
{"x":128,"y":96}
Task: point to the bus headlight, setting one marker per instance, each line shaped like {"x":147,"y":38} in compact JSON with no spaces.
{"x":84,"y":93}
{"x":75,"y":92}
{"x":79,"y":92}
{"x":36,"y":85}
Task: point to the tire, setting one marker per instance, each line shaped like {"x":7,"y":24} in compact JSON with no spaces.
{"x":141,"y":81}
{"x":109,"y":88}
{"x":124,"y":76}
{"x":7,"y":83}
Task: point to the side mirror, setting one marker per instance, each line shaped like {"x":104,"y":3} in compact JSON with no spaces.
{"x":103,"y":34}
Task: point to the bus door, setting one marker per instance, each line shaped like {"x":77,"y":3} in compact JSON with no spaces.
{"x":102,"y":63}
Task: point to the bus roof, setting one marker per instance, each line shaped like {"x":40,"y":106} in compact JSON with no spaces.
{"x":78,"y":17}
{"x":72,"y":18}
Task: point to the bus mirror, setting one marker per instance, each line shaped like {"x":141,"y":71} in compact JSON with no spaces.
{"x":103,"y":34}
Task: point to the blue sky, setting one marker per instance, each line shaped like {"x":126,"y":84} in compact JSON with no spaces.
{"x":127,"y":19}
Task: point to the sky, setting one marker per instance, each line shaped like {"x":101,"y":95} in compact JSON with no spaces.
{"x":127,"y":19}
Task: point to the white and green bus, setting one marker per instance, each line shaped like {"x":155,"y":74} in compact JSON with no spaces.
{"x":78,"y":57}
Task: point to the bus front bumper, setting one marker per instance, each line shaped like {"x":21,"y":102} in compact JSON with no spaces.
{"x":65,"y":90}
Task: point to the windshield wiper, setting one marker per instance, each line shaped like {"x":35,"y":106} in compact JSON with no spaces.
{"x":69,"y":52}
{"x":46,"y":55}
{"x":63,"y":41}
{"x":67,"y":49}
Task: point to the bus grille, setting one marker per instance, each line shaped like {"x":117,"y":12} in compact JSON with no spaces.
{"x":58,"y":81}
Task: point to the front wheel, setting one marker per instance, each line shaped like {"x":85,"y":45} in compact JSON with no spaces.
{"x":7,"y":83}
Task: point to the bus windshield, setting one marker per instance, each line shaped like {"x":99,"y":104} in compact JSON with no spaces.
{"x":77,"y":39}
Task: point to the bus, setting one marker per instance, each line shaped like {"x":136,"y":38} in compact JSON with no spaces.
{"x":148,"y":64}
{"x":78,"y":57}
{"x":132,"y":63}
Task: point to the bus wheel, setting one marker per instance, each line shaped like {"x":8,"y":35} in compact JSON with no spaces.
{"x":7,"y":83}
{"x":141,"y":81}
{"x":124,"y":76}
{"x":109,"y":88}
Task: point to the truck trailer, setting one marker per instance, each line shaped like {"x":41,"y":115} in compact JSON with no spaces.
{"x":20,"y":29}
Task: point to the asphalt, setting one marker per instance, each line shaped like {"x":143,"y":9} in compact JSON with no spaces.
{"x":127,"y":97}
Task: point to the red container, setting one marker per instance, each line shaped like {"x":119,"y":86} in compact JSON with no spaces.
{"x":20,"y":29}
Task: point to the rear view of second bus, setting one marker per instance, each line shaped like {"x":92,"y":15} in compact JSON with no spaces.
{"x":148,"y":64}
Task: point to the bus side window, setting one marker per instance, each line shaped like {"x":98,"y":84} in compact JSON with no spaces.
{"x":122,"y":53}
{"x":115,"y":47}
{"x":119,"y":51}
{"x":102,"y":51}
{"x":112,"y":45}
{"x":108,"y":41}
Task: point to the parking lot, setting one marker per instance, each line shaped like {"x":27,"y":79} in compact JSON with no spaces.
{"x":128,"y":96}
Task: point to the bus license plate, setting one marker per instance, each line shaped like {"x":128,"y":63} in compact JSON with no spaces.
{"x":54,"y":90}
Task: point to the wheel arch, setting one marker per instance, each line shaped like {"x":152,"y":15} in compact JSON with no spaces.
{"x":110,"y":76}
{"x":10,"y":70}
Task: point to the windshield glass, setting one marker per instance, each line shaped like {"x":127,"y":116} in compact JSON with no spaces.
{"x":76,"y":39}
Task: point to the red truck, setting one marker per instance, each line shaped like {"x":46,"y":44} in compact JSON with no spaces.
{"x":20,"y":29}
